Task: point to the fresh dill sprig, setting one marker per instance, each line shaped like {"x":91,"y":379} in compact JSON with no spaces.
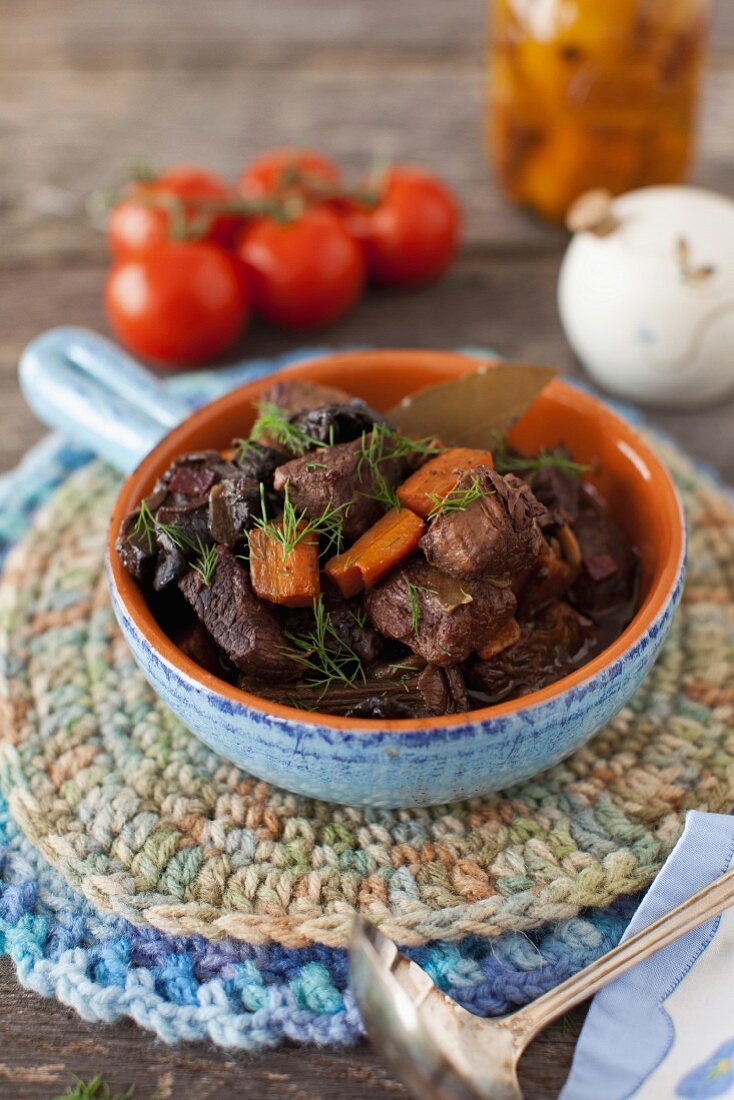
{"x":359,"y":615}
{"x":382,"y":445}
{"x":145,"y":525}
{"x":456,"y":500}
{"x":414,"y":601}
{"x":383,"y":492}
{"x":323,"y":654}
{"x":176,"y":535}
{"x":294,"y":526}
{"x":206,"y":554}
{"x":505,"y":463}
{"x":243,"y":447}
{"x":148,"y":525}
{"x":179,"y":537}
{"x":206,"y":564}
{"x":301,"y":704}
{"x":275,"y":423}
{"x":414,"y":604}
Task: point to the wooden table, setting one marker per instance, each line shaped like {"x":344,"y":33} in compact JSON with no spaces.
{"x":85,"y":90}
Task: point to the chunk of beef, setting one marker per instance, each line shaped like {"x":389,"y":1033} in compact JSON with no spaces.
{"x":136,"y":546}
{"x":547,"y":581}
{"x":388,"y":705}
{"x":385,"y":684}
{"x":391,"y":693}
{"x":339,"y":477}
{"x":350,"y":622}
{"x":193,"y":474}
{"x":608,"y":562}
{"x":171,"y":563}
{"x":443,"y":690}
{"x":179,"y":499}
{"x":507,"y":636}
{"x":258,"y":461}
{"x":158,"y":495}
{"x":136,"y":543}
{"x":547,"y":649}
{"x":232,"y":505}
{"x":189,"y":520}
{"x":495,"y":535}
{"x":436,"y":616}
{"x":338,"y":423}
{"x":296,"y":396}
{"x":192,"y":481}
{"x":243,"y":627}
{"x":197,"y":644}
{"x":182,"y":511}
{"x":557,"y":489}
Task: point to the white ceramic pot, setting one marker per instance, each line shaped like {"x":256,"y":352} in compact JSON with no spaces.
{"x":648,"y":306}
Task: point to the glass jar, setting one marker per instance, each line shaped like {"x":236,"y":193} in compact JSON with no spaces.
{"x":592,"y":93}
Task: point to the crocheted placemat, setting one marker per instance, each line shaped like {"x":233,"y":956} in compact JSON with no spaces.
{"x":155,"y":828}
{"x":234,"y":994}
{"x":244,"y":996}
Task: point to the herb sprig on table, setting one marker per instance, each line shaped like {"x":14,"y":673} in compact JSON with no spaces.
{"x":96,"y":1089}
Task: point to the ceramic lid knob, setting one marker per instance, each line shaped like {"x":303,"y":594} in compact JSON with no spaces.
{"x":646,"y":293}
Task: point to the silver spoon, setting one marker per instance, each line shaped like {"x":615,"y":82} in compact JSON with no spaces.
{"x":442,"y":1052}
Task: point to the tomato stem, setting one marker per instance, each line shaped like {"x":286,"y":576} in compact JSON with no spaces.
{"x":191,"y":218}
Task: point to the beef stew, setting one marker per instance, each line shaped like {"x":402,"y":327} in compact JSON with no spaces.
{"x":331,"y":563}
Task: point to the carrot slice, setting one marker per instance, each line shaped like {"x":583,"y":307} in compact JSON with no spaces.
{"x":507,"y":636}
{"x":429,"y":485}
{"x":291,"y":580}
{"x":380,"y":549}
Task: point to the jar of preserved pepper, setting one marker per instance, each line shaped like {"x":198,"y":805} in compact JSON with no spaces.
{"x":592,"y":93}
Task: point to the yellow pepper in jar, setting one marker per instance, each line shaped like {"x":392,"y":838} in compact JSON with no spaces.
{"x":592,"y":93}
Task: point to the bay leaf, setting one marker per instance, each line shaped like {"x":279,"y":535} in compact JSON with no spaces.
{"x":450,"y":592}
{"x":472,"y":411}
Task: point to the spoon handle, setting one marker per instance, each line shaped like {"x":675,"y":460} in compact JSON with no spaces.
{"x":702,"y":906}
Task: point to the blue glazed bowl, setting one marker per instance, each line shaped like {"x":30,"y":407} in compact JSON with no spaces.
{"x":383,"y":763}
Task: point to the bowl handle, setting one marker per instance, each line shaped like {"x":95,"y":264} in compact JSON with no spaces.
{"x":96,"y":395}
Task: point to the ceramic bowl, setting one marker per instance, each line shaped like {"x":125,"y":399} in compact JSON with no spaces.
{"x":406,"y":762}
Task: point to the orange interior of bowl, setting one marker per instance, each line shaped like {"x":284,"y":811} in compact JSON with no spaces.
{"x":631,"y":478}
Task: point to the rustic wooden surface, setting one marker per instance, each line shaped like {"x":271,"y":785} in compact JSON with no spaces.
{"x":85,"y":90}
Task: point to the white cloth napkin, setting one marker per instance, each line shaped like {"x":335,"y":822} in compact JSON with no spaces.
{"x":666,"y":1029}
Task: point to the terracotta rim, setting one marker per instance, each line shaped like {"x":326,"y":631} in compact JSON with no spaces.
{"x":662,"y":585}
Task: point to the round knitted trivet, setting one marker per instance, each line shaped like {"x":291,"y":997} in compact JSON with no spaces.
{"x":236,"y":994}
{"x":157,"y":829}
{"x":242,"y":995}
